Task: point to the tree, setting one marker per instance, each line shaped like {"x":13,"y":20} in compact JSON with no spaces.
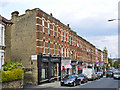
{"x":116,"y":64}
{"x":110,"y":61}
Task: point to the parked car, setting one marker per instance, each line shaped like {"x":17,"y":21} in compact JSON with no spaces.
{"x":83,"y":78}
{"x":109,"y":74}
{"x":90,"y":73}
{"x":72,"y":80}
{"x":116,"y":75}
{"x":96,"y":76}
{"x":100,"y":74}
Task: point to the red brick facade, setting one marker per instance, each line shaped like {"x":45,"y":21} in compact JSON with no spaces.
{"x":67,"y":42}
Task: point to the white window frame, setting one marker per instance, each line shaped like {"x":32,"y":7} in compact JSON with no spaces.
{"x":48,"y":46}
{"x":70,"y":40}
{"x":43,"y":23}
{"x":61,"y":34}
{"x":67,"y":36}
{"x":57,"y":30}
{"x":57,"y":49}
{"x":64,"y":35}
{"x":62,"y":51}
{"x":53,"y":29}
{"x":43,"y":46}
{"x":48,"y":27}
{"x":54,"y":48}
{"x":2,"y":38}
{"x":65,"y":52}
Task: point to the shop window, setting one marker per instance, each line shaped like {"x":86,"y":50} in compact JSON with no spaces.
{"x":44,"y":69}
{"x":54,"y":70}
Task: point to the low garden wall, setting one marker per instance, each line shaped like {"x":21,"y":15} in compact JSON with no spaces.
{"x":13,"y":84}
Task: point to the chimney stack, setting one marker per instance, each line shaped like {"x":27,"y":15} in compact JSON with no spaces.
{"x":15,"y":14}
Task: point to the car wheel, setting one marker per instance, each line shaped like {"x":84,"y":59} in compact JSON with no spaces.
{"x":74,"y":84}
{"x":79,"y":82}
{"x":62,"y":85}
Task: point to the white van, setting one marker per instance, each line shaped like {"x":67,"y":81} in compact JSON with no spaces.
{"x":89,"y":72}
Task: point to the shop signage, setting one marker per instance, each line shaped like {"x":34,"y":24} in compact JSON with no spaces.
{"x":34,"y":57}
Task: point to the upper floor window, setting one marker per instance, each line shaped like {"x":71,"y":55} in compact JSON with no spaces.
{"x":54,"y":48}
{"x":61,"y":35}
{"x":57,"y":49}
{"x":48,"y":28}
{"x":67,"y":36}
{"x":53,"y":30}
{"x":61,"y":51}
{"x":43,"y":25}
{"x":43,"y":46}
{"x":48,"y":46}
{"x":65,"y":52}
{"x":70,"y":40}
{"x":57,"y":31}
{"x":2,"y":34}
{"x":64,"y":36}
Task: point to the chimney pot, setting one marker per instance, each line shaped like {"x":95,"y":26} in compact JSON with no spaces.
{"x":68,"y":25}
{"x":51,"y":14}
{"x":15,"y":13}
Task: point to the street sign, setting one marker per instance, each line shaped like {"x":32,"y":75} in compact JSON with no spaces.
{"x":34,"y":57}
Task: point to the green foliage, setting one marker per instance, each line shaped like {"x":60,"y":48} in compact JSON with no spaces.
{"x":116,"y":64}
{"x":15,"y":74}
{"x":11,"y":65}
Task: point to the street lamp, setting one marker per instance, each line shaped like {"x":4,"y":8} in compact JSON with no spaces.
{"x":112,"y":20}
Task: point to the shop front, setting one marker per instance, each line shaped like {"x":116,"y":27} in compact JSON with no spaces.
{"x":74,"y":64}
{"x":80,"y":67}
{"x":65,"y":67}
{"x":49,"y":68}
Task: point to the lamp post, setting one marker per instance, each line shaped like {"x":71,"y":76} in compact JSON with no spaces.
{"x":112,"y":20}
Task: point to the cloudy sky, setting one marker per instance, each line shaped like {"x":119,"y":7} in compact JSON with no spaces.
{"x":87,"y":17}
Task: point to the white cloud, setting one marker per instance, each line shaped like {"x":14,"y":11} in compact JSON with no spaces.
{"x":111,"y":42}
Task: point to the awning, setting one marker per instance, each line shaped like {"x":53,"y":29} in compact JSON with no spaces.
{"x":68,"y":66}
{"x":79,"y":68}
{"x":63,"y":67}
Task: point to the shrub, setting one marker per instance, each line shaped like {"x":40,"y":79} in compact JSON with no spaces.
{"x":15,"y":74}
{"x":11,"y":65}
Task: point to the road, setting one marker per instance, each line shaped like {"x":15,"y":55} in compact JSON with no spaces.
{"x":100,"y":83}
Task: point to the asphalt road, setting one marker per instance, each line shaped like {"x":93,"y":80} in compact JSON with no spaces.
{"x":101,"y":84}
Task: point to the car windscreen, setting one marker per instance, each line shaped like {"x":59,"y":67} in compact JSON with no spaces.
{"x":81,"y":75}
{"x":70,"y":76}
{"x":99,"y":73}
{"x":117,"y":73}
{"x":108,"y":72}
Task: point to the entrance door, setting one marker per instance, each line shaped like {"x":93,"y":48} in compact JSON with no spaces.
{"x":1,"y":58}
